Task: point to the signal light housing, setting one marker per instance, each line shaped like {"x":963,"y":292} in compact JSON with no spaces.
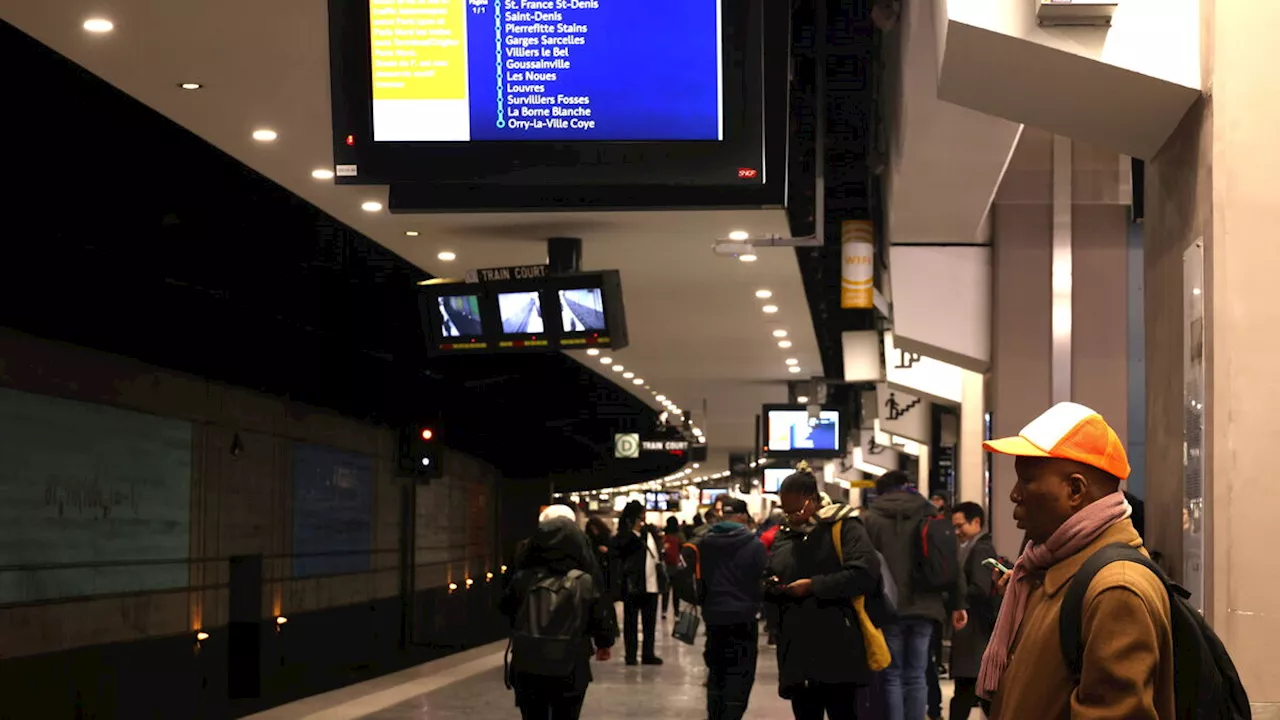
{"x":421,"y":453}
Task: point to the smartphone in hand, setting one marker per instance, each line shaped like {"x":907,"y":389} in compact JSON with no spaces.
{"x":994,"y":564}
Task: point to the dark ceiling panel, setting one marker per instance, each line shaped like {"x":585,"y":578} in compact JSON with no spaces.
{"x":129,"y":234}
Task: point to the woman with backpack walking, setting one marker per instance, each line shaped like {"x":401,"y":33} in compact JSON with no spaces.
{"x":560,"y":617}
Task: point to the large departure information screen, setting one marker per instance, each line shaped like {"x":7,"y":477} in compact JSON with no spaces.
{"x":555,"y":70}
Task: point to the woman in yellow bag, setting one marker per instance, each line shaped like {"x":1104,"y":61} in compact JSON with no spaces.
{"x":822,"y":562}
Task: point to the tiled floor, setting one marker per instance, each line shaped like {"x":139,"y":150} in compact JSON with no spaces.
{"x":673,"y":690}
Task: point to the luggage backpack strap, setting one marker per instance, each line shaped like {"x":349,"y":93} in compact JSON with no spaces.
{"x":697,"y":560}
{"x":837,"y":539}
{"x":1071,"y":619}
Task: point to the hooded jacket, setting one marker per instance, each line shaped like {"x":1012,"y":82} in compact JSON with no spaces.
{"x":558,"y":546}
{"x":892,"y":522}
{"x":819,"y":640}
{"x":733,"y":561}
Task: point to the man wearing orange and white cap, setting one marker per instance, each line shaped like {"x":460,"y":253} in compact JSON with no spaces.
{"x":1067,"y":498}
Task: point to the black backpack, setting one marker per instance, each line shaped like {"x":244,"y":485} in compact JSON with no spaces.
{"x":937,"y":555}
{"x":1207,"y":684}
{"x":548,"y":636}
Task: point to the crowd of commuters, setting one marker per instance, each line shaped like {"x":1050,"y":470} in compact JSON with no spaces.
{"x":858,"y":601}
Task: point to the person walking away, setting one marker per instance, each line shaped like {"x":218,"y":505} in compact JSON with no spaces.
{"x":672,"y":541}
{"x":1069,"y":466}
{"x":600,"y":536}
{"x":901,"y":524}
{"x":638,"y":551}
{"x":822,"y":657}
{"x":969,"y":643}
{"x":559,"y":619}
{"x":733,"y":563}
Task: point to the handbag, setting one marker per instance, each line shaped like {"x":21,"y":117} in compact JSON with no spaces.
{"x":878,"y":657}
{"x":687,"y":623}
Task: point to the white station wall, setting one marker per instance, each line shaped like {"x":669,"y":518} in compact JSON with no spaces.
{"x":942,"y":299}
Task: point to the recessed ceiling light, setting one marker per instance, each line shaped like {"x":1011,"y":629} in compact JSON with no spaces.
{"x":190,"y":86}
{"x":770,"y":309}
{"x":779,"y":333}
{"x":739,"y":235}
{"x":265,"y":135}
{"x":593,"y":352}
{"x":784,"y":344}
{"x":764,"y":294}
{"x":447,"y":255}
{"x":792,"y":361}
{"x":661,"y":398}
{"x":638,"y":381}
{"x":371,"y":206}
{"x":322,"y":174}
{"x":748,"y":257}
{"x":628,"y":374}
{"x":606,"y":360}
{"x":802,"y":398}
{"x":99,"y":25}
{"x":411,"y":233}
{"x":794,"y":369}
{"x":618,"y":368}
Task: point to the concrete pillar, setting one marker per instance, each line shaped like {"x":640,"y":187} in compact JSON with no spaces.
{"x":1060,"y":323}
{"x":1213,"y":179}
{"x":971,"y":470}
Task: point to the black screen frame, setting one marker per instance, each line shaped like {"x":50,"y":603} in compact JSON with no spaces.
{"x":531,"y":163}
{"x":842,"y":433}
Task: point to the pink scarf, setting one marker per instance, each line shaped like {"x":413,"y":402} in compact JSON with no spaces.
{"x":1073,"y":536}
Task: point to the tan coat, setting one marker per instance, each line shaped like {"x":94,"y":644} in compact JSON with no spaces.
{"x":1128,"y":651}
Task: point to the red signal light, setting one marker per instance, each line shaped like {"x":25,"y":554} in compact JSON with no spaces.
{"x":427,"y":434}
{"x":351,"y":140}
{"x":746,"y":173}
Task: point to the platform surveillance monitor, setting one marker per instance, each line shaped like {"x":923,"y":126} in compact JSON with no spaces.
{"x":460,"y":316}
{"x":521,"y":313}
{"x":582,"y":310}
{"x":791,"y":431}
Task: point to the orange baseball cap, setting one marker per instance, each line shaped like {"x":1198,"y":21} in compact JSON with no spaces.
{"x":1068,"y":431}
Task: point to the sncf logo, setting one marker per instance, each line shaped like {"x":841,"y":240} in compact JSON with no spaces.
{"x":745,"y":173}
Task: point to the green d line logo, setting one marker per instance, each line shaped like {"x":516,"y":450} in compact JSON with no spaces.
{"x":626,"y":445}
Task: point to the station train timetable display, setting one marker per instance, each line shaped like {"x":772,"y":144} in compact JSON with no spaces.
{"x":551,"y":70}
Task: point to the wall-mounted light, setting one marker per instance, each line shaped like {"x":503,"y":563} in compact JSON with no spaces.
{"x":504,"y":567}
{"x":280,"y":620}
{"x":470,"y":582}
{"x":453,"y":587}
{"x":488,"y":577}
{"x":202,"y":636}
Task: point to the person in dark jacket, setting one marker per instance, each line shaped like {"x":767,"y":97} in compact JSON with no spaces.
{"x":639,"y":552}
{"x":892,"y":521}
{"x":557,"y":547}
{"x":822,"y":658}
{"x":969,"y":643}
{"x":733,"y":562}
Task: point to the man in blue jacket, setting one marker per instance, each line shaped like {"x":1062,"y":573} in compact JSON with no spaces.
{"x":733,"y":562}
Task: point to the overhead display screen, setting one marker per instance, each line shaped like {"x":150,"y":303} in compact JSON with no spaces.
{"x":582,"y":310}
{"x":460,"y":316}
{"x":553,"y":70}
{"x":773,"y":478}
{"x":521,"y":313}
{"x":795,"y":430}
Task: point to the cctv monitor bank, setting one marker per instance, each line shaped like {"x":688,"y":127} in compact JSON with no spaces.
{"x":544,"y":314}
{"x":790,"y":431}
{"x":463,"y":94}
